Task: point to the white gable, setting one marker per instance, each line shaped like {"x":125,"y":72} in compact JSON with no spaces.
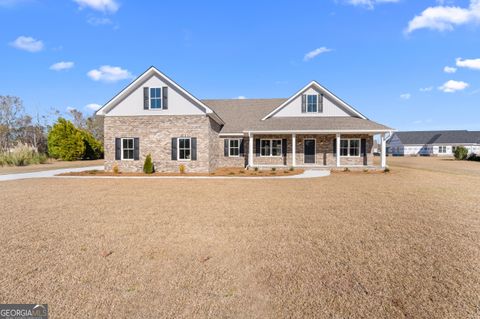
{"x":332,"y":105}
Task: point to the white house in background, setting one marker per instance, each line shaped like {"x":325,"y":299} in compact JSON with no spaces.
{"x":432,"y":143}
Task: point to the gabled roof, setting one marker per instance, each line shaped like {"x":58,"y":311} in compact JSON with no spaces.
{"x":438,"y":137}
{"x":335,"y":99}
{"x":145,"y":76}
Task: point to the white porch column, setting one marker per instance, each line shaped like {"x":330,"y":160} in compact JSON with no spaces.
{"x":294,"y":149}
{"x":384,"y":151}
{"x":338,"y":149}
{"x":250,"y":150}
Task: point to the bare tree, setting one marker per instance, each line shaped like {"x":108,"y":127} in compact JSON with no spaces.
{"x":11,"y":114}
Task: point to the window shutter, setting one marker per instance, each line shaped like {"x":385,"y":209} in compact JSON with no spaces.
{"x":165,"y":98}
{"x":146,"y":99}
{"x":174,"y":148}
{"x":242,"y":151}
{"x":257,"y":147}
{"x":118,"y":149}
{"x":334,"y":146}
{"x":284,"y":147}
{"x":304,"y":103}
{"x":136,"y":149}
{"x":320,"y":104}
{"x":225,"y":146}
{"x":193,"y":140}
{"x":363,"y":150}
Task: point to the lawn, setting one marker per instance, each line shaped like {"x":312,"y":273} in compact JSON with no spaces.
{"x":352,"y":245}
{"x":49,"y":165}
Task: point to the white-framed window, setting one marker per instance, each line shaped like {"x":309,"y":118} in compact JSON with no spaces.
{"x":127,"y":148}
{"x":442,"y":149}
{"x":271,"y":148}
{"x":234,"y":148}
{"x":155,"y":98}
{"x":350,"y":147}
{"x":184,"y":148}
{"x":312,"y":103}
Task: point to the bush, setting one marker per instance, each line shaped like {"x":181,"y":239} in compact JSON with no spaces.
{"x":291,"y":169}
{"x":181,"y":168}
{"x":273,"y":169}
{"x":148,"y":165}
{"x":115,"y":169}
{"x":473,"y":157}
{"x":386,"y":170}
{"x":461,"y":153}
{"x":22,"y":155}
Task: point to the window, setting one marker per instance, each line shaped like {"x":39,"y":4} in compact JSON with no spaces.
{"x":442,"y":149}
{"x":271,"y":147}
{"x":155,"y":98}
{"x":312,"y":103}
{"x":234,"y":148}
{"x":350,"y":147}
{"x":127,"y":148}
{"x":184,"y":149}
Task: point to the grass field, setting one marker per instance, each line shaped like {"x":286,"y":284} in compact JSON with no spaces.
{"x":352,"y":245}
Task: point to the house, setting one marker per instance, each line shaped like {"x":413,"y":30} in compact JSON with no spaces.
{"x":433,"y":143}
{"x":313,"y":128}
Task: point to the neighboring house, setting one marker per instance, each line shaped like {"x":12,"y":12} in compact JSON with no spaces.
{"x":436,"y":143}
{"x":312,"y":128}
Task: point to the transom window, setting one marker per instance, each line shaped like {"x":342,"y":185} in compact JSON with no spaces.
{"x":184,"y":148}
{"x":234,"y":148}
{"x":271,"y":147}
{"x":127,"y":148}
{"x":155,"y":98}
{"x":350,"y":147}
{"x":312,"y":103}
{"x":442,"y":149}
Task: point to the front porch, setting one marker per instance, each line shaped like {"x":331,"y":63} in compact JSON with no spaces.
{"x":314,"y":150}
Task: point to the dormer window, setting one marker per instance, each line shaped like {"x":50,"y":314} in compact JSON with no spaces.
{"x":312,"y":103}
{"x":155,"y":98}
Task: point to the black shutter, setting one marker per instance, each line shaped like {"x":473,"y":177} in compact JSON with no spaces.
{"x":335,"y":146}
{"x":118,"y":149}
{"x":136,"y":149}
{"x":165,"y":98}
{"x":225,"y":147}
{"x":284,"y":147}
{"x":320,"y":104}
{"x":363,"y":150}
{"x":257,"y":147}
{"x":193,"y":140}
{"x":146,"y":99}
{"x":174,"y":148}
{"x":304,"y":103}
{"x":242,"y":151}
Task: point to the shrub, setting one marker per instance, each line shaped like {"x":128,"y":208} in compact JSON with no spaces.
{"x":273,"y":169}
{"x":473,"y":157}
{"x":461,"y":153}
{"x":291,"y":169}
{"x":148,"y":165}
{"x":386,"y":170}
{"x":365,"y":170}
{"x":93,"y":148}
{"x":22,"y":155}
{"x":181,"y":168}
{"x":115,"y":169}
{"x":255,"y":169}
{"x":346,"y":169}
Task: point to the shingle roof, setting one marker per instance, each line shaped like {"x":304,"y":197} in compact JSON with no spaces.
{"x":438,"y":137}
{"x":246,"y":115}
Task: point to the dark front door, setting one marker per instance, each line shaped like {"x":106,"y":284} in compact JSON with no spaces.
{"x":309,"y":151}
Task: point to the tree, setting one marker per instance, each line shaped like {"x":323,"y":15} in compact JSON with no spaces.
{"x":65,"y":141}
{"x":148,"y":165}
{"x":460,"y":153}
{"x":11,"y":113}
{"x":93,"y":148}
{"x":95,"y":127}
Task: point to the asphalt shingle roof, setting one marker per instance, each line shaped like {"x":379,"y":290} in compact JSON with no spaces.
{"x":438,"y":137}
{"x":246,"y":115}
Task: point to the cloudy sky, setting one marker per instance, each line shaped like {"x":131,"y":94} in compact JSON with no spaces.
{"x":413,"y":65}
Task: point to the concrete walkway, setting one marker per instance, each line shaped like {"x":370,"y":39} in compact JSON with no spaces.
{"x":52,"y":173}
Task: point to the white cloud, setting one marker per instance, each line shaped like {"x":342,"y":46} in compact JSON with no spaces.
{"x":105,"y":6}
{"x":28,"y":44}
{"x":370,"y":4}
{"x":445,"y":18}
{"x":449,"y":69}
{"x":241,"y":97}
{"x":70,"y":108}
{"x":107,"y":73}
{"x":453,"y":86}
{"x":469,"y":63}
{"x":312,"y":54}
{"x":93,"y":106}
{"x":99,"y":21}
{"x":59,"y":66}
{"x":405,"y":96}
{"x":426,"y":89}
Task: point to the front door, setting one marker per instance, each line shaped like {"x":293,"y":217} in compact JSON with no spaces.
{"x":309,"y":151}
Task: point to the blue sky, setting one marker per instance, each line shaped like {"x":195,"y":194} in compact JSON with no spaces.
{"x":385,"y":57}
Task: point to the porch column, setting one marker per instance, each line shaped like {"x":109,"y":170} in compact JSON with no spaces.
{"x":294,"y":149}
{"x":250,"y":150}
{"x":384,"y":151}
{"x":338,"y":149}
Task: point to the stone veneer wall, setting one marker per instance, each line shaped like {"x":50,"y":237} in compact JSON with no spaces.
{"x":155,"y":134}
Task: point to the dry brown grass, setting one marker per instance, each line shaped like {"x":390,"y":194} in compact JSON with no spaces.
{"x":51,"y":164}
{"x":403,"y":244}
